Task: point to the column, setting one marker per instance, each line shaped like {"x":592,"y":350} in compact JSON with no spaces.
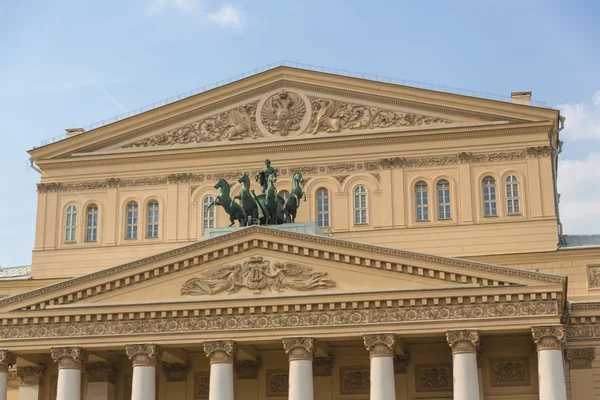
{"x":222,"y":355}
{"x":6,"y":360}
{"x":301,"y":351}
{"x":582,"y":375}
{"x":30,"y":382}
{"x":464,"y":344}
{"x":551,"y":370}
{"x":70,"y":361}
{"x":381,"y":349}
{"x":144,"y":357}
{"x":101,"y":380}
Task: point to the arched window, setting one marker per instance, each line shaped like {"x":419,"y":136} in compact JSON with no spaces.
{"x":208,"y":213}
{"x":91,"y":228}
{"x":322,"y":208}
{"x":489,"y":197}
{"x":421,"y":201}
{"x":284,"y":194}
{"x":443,"y":200}
{"x":71,"y":223}
{"x":131,"y":229}
{"x":153,"y":219}
{"x":360,"y":205}
{"x":513,"y":202}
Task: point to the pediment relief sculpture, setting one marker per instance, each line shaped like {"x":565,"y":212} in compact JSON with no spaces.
{"x":257,"y":274}
{"x":286,"y":113}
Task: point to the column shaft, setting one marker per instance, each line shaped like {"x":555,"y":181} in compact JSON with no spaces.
{"x":144,"y":357}
{"x":301,"y":352}
{"x":381,"y":349}
{"x":70,"y":361}
{"x":222,"y":356}
{"x":551,"y":369}
{"x":464,"y":345}
{"x":3,"y":384}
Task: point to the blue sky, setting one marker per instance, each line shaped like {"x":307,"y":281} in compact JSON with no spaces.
{"x":67,"y":64}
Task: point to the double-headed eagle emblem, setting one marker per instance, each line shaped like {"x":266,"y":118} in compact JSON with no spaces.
{"x":283,"y":112}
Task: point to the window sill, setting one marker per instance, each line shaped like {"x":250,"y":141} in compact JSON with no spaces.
{"x":422,"y":220}
{"x":514,"y":215}
{"x":70,"y":242}
{"x":491,"y":216}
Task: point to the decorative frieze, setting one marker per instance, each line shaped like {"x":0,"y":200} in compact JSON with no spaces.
{"x":247,"y":369}
{"x":548,"y":337}
{"x":7,"y":359}
{"x":355,"y":380}
{"x":220,"y":351}
{"x":102,"y":371}
{"x":299,"y":348}
{"x":397,"y":315}
{"x":277,"y":383}
{"x":380,"y":345}
{"x":143,"y":354}
{"x":69,"y":357}
{"x":257,"y":274}
{"x":322,"y":366}
{"x":463,"y":341}
{"x":201,"y":385}
{"x":176,"y":372}
{"x":30,"y":375}
{"x":433,"y":377}
{"x":509,"y":371}
{"x":580,"y":357}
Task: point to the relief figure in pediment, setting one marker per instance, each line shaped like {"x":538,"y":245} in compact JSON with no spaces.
{"x":283,"y":112}
{"x":243,"y":124}
{"x":299,"y":277}
{"x":226,"y":279}
{"x":327,"y":117}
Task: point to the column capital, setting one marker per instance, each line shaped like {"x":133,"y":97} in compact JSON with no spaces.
{"x":30,"y":375}
{"x":69,"y":357}
{"x":6,"y":359}
{"x":548,"y":337}
{"x":380,"y":344}
{"x":463,"y":341}
{"x":102,"y":371}
{"x":143,"y":354}
{"x":299,"y":348}
{"x":220,"y":351}
{"x":580,"y":357}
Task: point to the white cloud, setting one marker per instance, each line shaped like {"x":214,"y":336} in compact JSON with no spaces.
{"x":579,"y":185}
{"x":583,"y":120}
{"x":227,"y":15}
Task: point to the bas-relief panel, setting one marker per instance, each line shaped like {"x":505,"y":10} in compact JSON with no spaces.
{"x":201,"y":385}
{"x":277,"y":382}
{"x":509,"y":371}
{"x":433,"y":377}
{"x":354,"y":380}
{"x":593,"y":276}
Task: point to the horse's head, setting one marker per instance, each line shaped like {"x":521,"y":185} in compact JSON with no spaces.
{"x":272,"y":178}
{"x":298,"y":177}
{"x":219,"y":183}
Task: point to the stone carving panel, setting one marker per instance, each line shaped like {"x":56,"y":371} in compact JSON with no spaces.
{"x":433,"y":377}
{"x":330,"y":115}
{"x":201,"y":385}
{"x":277,"y":383}
{"x":355,"y":380}
{"x":283,"y":112}
{"x":594,"y":277}
{"x":257,"y":274}
{"x":513,"y":371}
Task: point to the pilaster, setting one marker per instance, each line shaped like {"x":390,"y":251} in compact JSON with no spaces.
{"x":101,"y":380}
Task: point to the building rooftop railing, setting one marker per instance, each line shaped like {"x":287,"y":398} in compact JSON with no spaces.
{"x":309,"y":67}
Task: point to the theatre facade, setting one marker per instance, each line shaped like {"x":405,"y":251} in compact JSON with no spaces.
{"x":396,"y":243}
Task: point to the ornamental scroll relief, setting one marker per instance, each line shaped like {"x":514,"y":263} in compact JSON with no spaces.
{"x":257,"y":274}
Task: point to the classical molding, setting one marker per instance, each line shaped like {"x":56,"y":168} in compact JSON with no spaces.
{"x":102,"y":371}
{"x":548,"y":337}
{"x":355,"y":380}
{"x":580,"y":357}
{"x":247,"y":369}
{"x":322,"y":366}
{"x":380,"y":344}
{"x":509,"y":371}
{"x":30,"y":375}
{"x":143,"y":354}
{"x":463,"y":341}
{"x":220,"y":351}
{"x":396,"y":315}
{"x":401,"y":363}
{"x":257,"y":274}
{"x":299,"y":348}
{"x":433,"y":377}
{"x":176,"y":372}
{"x":69,"y":357}
{"x":328,"y":169}
{"x":7,"y":359}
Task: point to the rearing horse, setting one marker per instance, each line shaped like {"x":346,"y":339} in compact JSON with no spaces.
{"x":224,"y":200}
{"x":276,"y":212}
{"x":248,"y":204}
{"x":293,"y":202}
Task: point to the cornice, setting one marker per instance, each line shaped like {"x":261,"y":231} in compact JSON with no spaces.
{"x":326,"y":169}
{"x":271,"y":239}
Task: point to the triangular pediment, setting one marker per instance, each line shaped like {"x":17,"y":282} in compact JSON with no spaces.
{"x":286,"y":105}
{"x":261,"y":264}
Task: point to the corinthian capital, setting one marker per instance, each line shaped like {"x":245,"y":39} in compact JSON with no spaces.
{"x":69,"y":357}
{"x":6,"y":359}
{"x":30,"y":375}
{"x":220,"y":351}
{"x":580,"y":357}
{"x":143,"y":354}
{"x":548,"y":337}
{"x":299,"y":348}
{"x":463,"y":341}
{"x":380,"y":345}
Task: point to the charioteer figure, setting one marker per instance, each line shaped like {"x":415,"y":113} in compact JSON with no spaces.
{"x":262,"y":176}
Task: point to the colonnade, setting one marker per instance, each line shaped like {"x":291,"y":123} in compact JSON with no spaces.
{"x":300,"y":350}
